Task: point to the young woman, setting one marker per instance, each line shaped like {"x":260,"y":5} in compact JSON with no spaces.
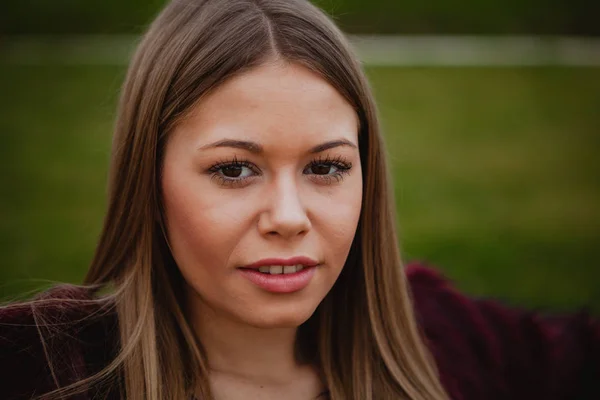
{"x":249,"y":249}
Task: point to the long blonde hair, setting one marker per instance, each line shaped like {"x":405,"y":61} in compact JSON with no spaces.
{"x":363,"y":337}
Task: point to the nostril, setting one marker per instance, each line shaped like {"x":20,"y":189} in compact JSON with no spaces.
{"x":287,"y":233}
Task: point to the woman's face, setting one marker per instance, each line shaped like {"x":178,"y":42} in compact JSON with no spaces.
{"x":262,"y":189}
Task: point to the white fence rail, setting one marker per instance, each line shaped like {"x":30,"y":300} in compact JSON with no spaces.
{"x":373,"y":50}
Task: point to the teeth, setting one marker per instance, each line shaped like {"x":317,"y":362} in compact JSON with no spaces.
{"x":289,"y":269}
{"x":280,"y":269}
{"x":276,"y":269}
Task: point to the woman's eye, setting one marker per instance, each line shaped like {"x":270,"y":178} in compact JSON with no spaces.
{"x":323,"y":169}
{"x":328,"y":171}
{"x":235,"y":171}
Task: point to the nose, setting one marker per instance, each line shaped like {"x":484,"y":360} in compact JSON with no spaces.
{"x":285,"y":215}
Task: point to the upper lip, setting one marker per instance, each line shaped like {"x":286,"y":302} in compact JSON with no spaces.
{"x":302,"y":260}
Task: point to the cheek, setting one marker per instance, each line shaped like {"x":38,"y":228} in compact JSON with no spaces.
{"x":336,"y":219}
{"x":202,"y":230}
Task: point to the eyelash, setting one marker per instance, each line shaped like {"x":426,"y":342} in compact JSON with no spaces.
{"x":342,"y":165}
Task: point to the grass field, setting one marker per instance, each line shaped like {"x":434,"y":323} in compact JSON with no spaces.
{"x":496,"y":173}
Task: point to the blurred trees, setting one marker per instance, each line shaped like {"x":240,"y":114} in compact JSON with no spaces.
{"x":564,"y":17}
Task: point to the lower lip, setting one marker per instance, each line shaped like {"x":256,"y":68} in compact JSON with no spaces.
{"x":280,"y":283}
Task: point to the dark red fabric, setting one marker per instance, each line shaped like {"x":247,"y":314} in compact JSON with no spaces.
{"x":81,"y":338}
{"x":483,"y":349}
{"x":486,"y":350}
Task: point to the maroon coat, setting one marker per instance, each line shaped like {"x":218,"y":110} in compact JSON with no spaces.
{"x":483,"y":350}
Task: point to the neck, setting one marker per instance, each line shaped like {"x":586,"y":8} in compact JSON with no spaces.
{"x":244,"y":351}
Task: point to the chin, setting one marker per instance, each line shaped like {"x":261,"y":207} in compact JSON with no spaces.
{"x":279,"y":317}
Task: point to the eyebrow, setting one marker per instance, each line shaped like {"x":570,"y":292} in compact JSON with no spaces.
{"x":256,"y":148}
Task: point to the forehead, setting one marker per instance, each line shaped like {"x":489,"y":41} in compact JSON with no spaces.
{"x":275,"y":102}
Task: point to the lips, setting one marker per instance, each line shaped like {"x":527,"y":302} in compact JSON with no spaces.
{"x":278,"y":275}
{"x":283,"y":262}
{"x":281,"y":269}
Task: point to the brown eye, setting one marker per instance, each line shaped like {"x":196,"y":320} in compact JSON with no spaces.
{"x":232,"y":171}
{"x":321,"y":169}
{"x":327,"y":170}
{"x":235,"y":173}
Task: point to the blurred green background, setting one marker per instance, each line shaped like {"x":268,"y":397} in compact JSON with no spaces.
{"x":579,"y":17}
{"x":495,"y":168}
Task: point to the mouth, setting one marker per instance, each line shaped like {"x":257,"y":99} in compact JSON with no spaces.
{"x":279,"y":269}
{"x":281,"y":275}
{"x":276,"y":266}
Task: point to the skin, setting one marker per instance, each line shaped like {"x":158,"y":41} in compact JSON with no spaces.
{"x":277,"y":205}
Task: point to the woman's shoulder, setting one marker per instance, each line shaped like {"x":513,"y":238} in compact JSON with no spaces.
{"x":63,"y":299}
{"x":485,"y":348}
{"x":55,"y":339}
{"x":64,"y":309}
